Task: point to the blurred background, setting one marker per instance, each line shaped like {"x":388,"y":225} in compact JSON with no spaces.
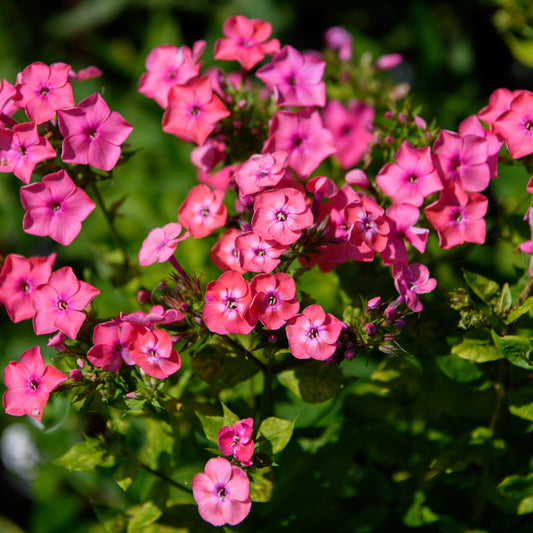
{"x":456,"y":53}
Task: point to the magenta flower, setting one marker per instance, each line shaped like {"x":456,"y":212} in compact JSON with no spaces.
{"x":55,"y":207}
{"x":411,"y":178}
{"x":92,"y":133}
{"x":295,"y":79}
{"x":411,"y":280}
{"x":313,"y":333}
{"x":29,"y":384}
{"x":21,"y":149}
{"x":388,"y":61}
{"x":18,"y":280}
{"x":339,"y":40}
{"x":42,"y":90}
{"x":237,"y":440}
{"x":111,"y":345}
{"x":245,"y":41}
{"x":458,"y":217}
{"x":193,"y":110}
{"x":227,"y":300}
{"x":303,"y":136}
{"x":222,"y":493}
{"x":59,"y":303}
{"x":161,"y":243}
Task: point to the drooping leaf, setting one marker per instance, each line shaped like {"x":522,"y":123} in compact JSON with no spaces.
{"x":86,"y":456}
{"x":517,"y":487}
{"x":514,"y":348}
{"x":486,"y":289}
{"x":517,"y":312}
{"x":126,"y":472}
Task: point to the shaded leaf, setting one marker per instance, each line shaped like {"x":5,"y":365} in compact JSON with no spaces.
{"x":211,"y":425}
{"x":261,"y":485}
{"x":514,"y":348}
{"x":521,"y":404}
{"x":277,"y":432}
{"x":517,"y":312}
{"x":517,"y":487}
{"x":86,"y":456}
{"x":126,"y":473}
{"x":477,"y":347}
{"x":142,"y":515}
{"x":486,"y":289}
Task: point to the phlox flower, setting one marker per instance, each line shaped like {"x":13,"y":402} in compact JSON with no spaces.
{"x":167,"y":65}
{"x":527,"y":247}
{"x":369,"y":227}
{"x":157,"y":315}
{"x":60,"y":302}
{"x":388,"y":61}
{"x":8,"y":106}
{"x":245,"y":41}
{"x":260,"y":171}
{"x":222,"y":493}
{"x":274,"y":299}
{"x":458,"y":217}
{"x":19,"y":278}
{"x":55,"y":207}
{"x":87,"y":73}
{"x":237,"y":440}
{"x":227,"y":300}
{"x":207,"y":156}
{"x":92,"y":133}
{"x":202,"y":211}
{"x":281,"y":215}
{"x":42,"y":90}
{"x":351,"y":127}
{"x":313,"y":333}
{"x":29,"y":384}
{"x":152,"y":351}
{"x":21,"y":149}
{"x":339,"y":40}
{"x":295,"y":79}
{"x":499,"y":102}
{"x":257,"y":254}
{"x":411,"y":178}
{"x":193,"y":110}
{"x":161,"y":244}
{"x":225,"y":254}
{"x":303,"y":136}
{"x":411,"y":280}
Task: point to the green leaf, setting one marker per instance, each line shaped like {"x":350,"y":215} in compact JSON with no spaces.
{"x":126,"y":472}
{"x":486,"y":289}
{"x":261,"y":485}
{"x":517,"y":312}
{"x":229,"y":416}
{"x":211,"y":425}
{"x":517,"y":487}
{"x":521,"y":404}
{"x":506,"y":300}
{"x":525,"y":506}
{"x":514,"y":348}
{"x":142,"y":515}
{"x":459,"y":369}
{"x":86,"y":456}
{"x":419,"y":514}
{"x":159,"y":435}
{"x":277,"y":432}
{"x":313,"y":381}
{"x":477,"y":347}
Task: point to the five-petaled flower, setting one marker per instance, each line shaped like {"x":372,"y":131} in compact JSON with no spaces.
{"x":237,"y":441}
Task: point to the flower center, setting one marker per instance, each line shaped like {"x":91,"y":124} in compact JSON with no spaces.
{"x":22,"y":150}
{"x":413,"y":179}
{"x":528,"y":124}
{"x":34,"y":384}
{"x":62,"y":305}
{"x":153,"y":353}
{"x":346,"y":130}
{"x":262,"y":174}
{"x":55,"y":206}
{"x":272,"y":300}
{"x":44,"y":90}
{"x":194,"y":110}
{"x":91,"y":133}
{"x":281,"y":216}
{"x":221,"y":493}
{"x":312,"y":333}
{"x":458,"y":217}
{"x":231,"y":303}
{"x":456,"y":164}
{"x":24,"y":286}
{"x":260,"y":252}
{"x":297,"y":141}
{"x":204,"y":211}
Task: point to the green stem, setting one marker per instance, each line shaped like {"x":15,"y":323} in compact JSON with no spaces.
{"x":266,"y":396}
{"x":162,"y":476}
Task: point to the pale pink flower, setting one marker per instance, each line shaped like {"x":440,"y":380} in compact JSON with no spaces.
{"x":29,"y":384}
{"x":92,"y":133}
{"x":55,"y":207}
{"x":339,"y":40}
{"x":411,"y":280}
{"x":245,"y":41}
{"x":161,"y":244}
{"x":59,"y":304}
{"x":237,"y":440}
{"x":222,"y":493}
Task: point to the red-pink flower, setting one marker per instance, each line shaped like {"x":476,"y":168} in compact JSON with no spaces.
{"x":245,"y":41}
{"x":202,"y":211}
{"x":313,"y":333}
{"x":260,"y":171}
{"x":59,"y":303}
{"x":55,"y":207}
{"x":92,"y":133}
{"x":42,"y":90}
{"x":21,"y":149}
{"x":18,"y":280}
{"x":168,"y":65}
{"x":458,"y":217}
{"x":411,"y":280}
{"x":161,"y":243}
{"x":29,"y":384}
{"x":222,"y":493}
{"x":237,"y":440}
{"x":351,"y":127}
{"x":193,"y":110}
{"x":224,"y":254}
{"x":274,"y":299}
{"x":152,"y":351}
{"x":257,"y":254}
{"x":369,"y":227}
{"x":295,"y":79}
{"x":227,"y":301}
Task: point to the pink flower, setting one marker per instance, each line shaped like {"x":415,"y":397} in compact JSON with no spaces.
{"x":157,"y":315}
{"x":274,"y":299}
{"x":87,"y":73}
{"x":18,"y":280}
{"x":339,"y":40}
{"x":499,"y":102}
{"x":368,"y":227}
{"x":193,"y":110}
{"x":411,"y":178}
{"x":388,"y":61}
{"x":303,"y":136}
{"x":202,"y":211}
{"x":29,"y":384}
{"x":313,"y":333}
{"x":42,"y":90}
{"x":93,"y":134}
{"x":527,"y":246}
{"x":222,"y":493}
{"x":411,"y":280}
{"x":224,"y":254}
{"x":160,"y":244}
{"x":257,"y":254}
{"x":237,"y":440}
{"x":55,"y":207}
{"x":168,"y":65}
{"x":458,"y":217}
{"x":60,"y":302}
{"x":21,"y":149}
{"x":260,"y":171}
{"x":227,"y":301}
{"x":245,"y":41}
{"x":295,"y":79}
